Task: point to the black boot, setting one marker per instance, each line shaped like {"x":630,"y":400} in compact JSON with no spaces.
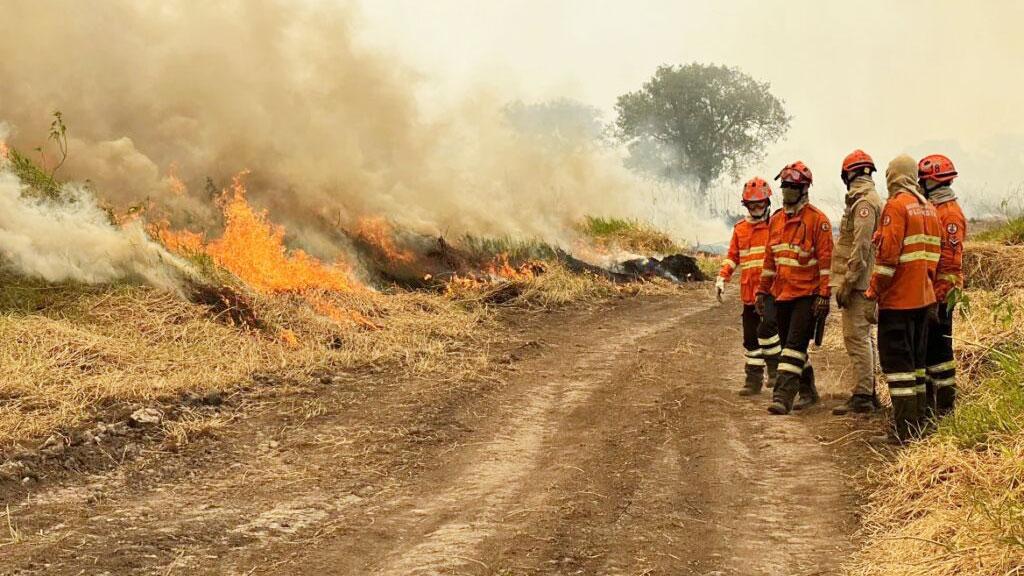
{"x":808,"y":391}
{"x":945,"y":399}
{"x":773,"y":370}
{"x":858,"y":404}
{"x":906,"y":417}
{"x":785,"y":390}
{"x":752,"y":386}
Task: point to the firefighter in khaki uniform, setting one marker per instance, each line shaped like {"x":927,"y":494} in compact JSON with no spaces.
{"x":935,"y":173}
{"x":796,"y":280}
{"x":903,"y":294}
{"x":746,"y":252}
{"x":852,"y":262}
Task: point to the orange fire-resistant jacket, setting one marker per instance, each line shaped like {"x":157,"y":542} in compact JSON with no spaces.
{"x":746,"y":252}
{"x":799,"y":254}
{"x":907,"y":244}
{"x":950,"y":271}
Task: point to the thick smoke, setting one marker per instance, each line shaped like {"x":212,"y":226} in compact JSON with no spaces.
{"x":74,"y":240}
{"x":329,"y":131}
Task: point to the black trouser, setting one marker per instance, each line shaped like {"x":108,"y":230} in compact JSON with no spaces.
{"x":796,"y":329}
{"x":761,"y":342}
{"x":941,"y":364}
{"x":902,"y":346}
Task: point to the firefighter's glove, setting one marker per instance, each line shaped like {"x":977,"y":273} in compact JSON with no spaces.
{"x":954,"y":298}
{"x":759,"y":304}
{"x":871,"y":311}
{"x":933,"y":314}
{"x":822,"y":306}
{"x":719,"y":287}
{"x":843,"y":294}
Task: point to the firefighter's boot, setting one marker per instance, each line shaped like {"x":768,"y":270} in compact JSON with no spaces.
{"x":786,"y":387}
{"x":906,"y":417}
{"x":755,"y":379}
{"x":857,"y":404}
{"x":808,"y":391}
{"x":772,"y":363}
{"x":945,"y":399}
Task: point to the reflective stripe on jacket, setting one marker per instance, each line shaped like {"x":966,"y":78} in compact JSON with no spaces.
{"x":907,"y":244}
{"x":950,"y":271}
{"x":746,"y":252}
{"x":799,"y":254}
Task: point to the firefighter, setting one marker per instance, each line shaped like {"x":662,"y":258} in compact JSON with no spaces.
{"x":935,"y":173}
{"x":852,"y":262}
{"x":902,"y":293}
{"x":746,"y":252}
{"x":795,"y":282}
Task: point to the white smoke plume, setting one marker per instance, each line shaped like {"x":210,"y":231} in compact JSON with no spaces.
{"x":330,"y":131}
{"x":74,"y":240}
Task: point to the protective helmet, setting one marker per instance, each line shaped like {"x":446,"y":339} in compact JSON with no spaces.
{"x":858,"y":159}
{"x":796,"y":173}
{"x":936,"y":167}
{"x":756,"y":190}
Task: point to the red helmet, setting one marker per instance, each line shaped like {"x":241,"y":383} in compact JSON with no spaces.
{"x":858,"y":159}
{"x":756,"y":190}
{"x":936,"y":167}
{"x":796,"y":173}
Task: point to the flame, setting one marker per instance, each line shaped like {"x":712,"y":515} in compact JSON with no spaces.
{"x":340,"y":315}
{"x":377,"y":232}
{"x":252,"y":248}
{"x":289,"y":338}
{"x":500,"y":268}
{"x":175,"y":184}
{"x":180,"y":241}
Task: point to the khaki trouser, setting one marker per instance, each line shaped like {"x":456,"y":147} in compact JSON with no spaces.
{"x":860,"y":376}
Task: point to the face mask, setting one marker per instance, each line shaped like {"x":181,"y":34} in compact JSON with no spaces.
{"x":791,"y":196}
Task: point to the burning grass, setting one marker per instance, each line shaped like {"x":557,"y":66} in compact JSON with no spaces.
{"x":954,"y":503}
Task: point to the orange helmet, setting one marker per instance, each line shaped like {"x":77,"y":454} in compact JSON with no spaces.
{"x":796,"y":173}
{"x":857,"y":159}
{"x":936,"y":167}
{"x":756,"y":190}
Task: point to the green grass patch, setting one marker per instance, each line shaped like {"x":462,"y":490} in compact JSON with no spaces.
{"x":628,"y":235}
{"x":1011,"y":233}
{"x":992,"y":410}
{"x":517,"y":250}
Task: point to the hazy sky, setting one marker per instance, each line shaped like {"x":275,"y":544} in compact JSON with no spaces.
{"x":917,"y":76}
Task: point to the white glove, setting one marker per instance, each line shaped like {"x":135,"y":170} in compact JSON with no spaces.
{"x":720,"y":286}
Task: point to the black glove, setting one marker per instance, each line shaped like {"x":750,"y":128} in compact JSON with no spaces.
{"x":759,"y":304}
{"x":843,"y":294}
{"x":822,"y":306}
{"x":933,"y":314}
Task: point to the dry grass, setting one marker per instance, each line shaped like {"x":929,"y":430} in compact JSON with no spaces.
{"x":954,"y":504}
{"x":73,"y":351}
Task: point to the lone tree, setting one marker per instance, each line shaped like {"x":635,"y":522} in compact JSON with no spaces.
{"x":698,"y":121}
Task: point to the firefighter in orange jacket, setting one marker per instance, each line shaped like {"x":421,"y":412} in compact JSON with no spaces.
{"x":902,"y":293}
{"x":935,"y":173}
{"x":795,"y":283}
{"x":746,"y":252}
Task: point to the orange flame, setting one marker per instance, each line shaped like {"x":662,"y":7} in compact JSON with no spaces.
{"x":502,"y":269}
{"x":252,"y":248}
{"x":180,"y":241}
{"x":377,"y":232}
{"x":173,"y":182}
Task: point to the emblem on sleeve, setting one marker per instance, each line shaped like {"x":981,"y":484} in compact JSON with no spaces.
{"x":864,"y":212}
{"x":824,"y":227}
{"x":952,"y":228}
{"x":886,"y":220}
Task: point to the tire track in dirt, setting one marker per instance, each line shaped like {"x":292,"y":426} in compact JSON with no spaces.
{"x":481,"y":495}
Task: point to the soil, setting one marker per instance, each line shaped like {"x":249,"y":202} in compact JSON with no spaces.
{"x":606,"y":440}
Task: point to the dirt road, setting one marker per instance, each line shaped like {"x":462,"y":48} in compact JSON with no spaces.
{"x":607,"y":441}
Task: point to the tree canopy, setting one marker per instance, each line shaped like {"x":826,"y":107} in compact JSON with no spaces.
{"x":698,"y":121}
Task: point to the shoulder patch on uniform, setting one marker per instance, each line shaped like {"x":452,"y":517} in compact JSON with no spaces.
{"x":864,"y":212}
{"x":886,"y":220}
{"x":825,"y":227}
{"x":952,"y":228}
